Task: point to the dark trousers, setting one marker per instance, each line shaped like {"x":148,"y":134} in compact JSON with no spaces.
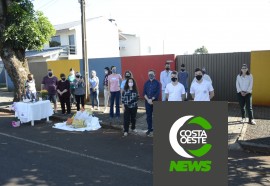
{"x":65,"y":101}
{"x":115,"y":96}
{"x":130,"y":116}
{"x":79,"y":100}
{"x":149,"y":113}
{"x":245,"y":103}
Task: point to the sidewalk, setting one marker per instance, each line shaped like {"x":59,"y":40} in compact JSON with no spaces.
{"x":251,"y":137}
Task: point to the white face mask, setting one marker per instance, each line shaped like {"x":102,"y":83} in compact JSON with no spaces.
{"x":130,"y":84}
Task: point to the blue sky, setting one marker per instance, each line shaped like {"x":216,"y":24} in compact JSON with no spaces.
{"x":184,"y":25}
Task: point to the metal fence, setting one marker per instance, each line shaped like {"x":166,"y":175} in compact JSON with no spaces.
{"x":222,"y":68}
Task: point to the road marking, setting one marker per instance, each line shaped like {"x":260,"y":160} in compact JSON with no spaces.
{"x":79,"y":154}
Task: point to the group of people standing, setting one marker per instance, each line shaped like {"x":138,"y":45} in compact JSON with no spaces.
{"x":173,"y":86}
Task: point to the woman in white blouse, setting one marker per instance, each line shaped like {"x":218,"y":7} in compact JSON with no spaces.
{"x":244,"y":84}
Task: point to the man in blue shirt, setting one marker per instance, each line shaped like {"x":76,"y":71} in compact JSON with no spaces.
{"x":151,"y":93}
{"x":183,"y":78}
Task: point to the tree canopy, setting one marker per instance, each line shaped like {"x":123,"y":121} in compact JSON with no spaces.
{"x":201,"y":50}
{"x":21,"y":28}
{"x":24,"y":28}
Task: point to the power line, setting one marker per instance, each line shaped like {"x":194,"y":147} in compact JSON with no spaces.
{"x":47,"y":5}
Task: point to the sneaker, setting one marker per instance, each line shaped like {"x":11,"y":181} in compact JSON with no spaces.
{"x":125,"y":133}
{"x":92,"y":108}
{"x":105,"y":111}
{"x":253,"y":122}
{"x":243,"y":120}
{"x":134,"y":131}
{"x":148,"y":132}
{"x":98,"y":109}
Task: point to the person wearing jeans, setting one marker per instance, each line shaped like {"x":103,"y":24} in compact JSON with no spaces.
{"x":49,"y":83}
{"x":244,"y":85}
{"x":114,"y":87}
{"x":151,"y":93}
{"x":94,"y":89}
{"x":130,"y":97}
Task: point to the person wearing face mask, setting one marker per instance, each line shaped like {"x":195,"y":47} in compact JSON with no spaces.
{"x":175,"y":91}
{"x":244,"y":85}
{"x":114,"y":87}
{"x":63,"y":89}
{"x":128,"y":75}
{"x":151,"y":93}
{"x":71,"y":78}
{"x":183,"y":78}
{"x":30,"y":87}
{"x":94,"y":89}
{"x":130,"y":97}
{"x":49,"y":83}
{"x":79,"y":90}
{"x":205,"y":76}
{"x":107,"y":72}
{"x":201,"y":89}
{"x":165,"y":78}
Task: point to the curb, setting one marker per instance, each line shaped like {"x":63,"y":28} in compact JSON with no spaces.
{"x":243,"y":133}
{"x":6,"y":110}
{"x":255,"y":147}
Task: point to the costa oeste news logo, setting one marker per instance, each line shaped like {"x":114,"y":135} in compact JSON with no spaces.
{"x":190,"y":137}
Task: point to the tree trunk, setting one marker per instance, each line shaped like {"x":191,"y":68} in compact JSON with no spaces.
{"x":17,"y":68}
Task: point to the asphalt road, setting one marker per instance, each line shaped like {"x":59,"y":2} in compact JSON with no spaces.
{"x":41,"y":155}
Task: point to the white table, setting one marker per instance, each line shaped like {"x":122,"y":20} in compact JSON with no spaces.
{"x":27,"y":112}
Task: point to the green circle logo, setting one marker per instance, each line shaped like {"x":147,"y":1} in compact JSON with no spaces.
{"x":190,"y":136}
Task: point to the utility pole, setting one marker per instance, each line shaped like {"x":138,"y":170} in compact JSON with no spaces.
{"x":84,"y":47}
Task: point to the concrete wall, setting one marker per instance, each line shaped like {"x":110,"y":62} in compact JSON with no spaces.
{"x":63,"y":66}
{"x":139,"y":66}
{"x":39,"y":70}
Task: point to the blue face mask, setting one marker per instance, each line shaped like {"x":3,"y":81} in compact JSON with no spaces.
{"x":50,"y":74}
{"x":151,"y":76}
{"x":114,"y":71}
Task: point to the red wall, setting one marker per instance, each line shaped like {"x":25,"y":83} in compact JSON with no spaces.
{"x":139,"y":66}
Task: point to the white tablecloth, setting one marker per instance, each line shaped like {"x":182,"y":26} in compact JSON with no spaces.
{"x":33,"y":111}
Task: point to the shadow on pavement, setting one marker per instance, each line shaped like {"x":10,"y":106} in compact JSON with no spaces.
{"x":248,"y":169}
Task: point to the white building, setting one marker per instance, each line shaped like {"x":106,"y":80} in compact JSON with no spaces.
{"x":102,"y":39}
{"x":129,"y":45}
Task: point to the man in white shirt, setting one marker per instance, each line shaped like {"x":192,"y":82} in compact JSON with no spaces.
{"x":205,"y":76}
{"x":201,"y":89}
{"x":175,"y":91}
{"x":165,"y":78}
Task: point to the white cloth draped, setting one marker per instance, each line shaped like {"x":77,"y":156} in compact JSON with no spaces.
{"x":33,"y":111}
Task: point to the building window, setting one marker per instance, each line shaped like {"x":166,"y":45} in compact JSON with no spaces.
{"x":72,"y":48}
{"x":55,"y":41}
